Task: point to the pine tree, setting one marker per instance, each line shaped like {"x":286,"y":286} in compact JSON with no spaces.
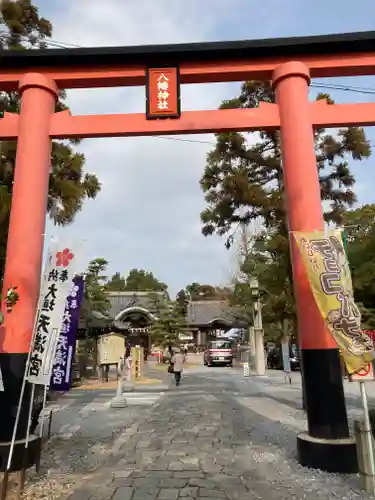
{"x":23,"y":28}
{"x":360,"y":231}
{"x":278,"y":308}
{"x":117,"y":283}
{"x":197,"y":291}
{"x":143,"y":281}
{"x":169,"y":322}
{"x":95,"y":291}
{"x":182,"y":300}
{"x":243,"y":182}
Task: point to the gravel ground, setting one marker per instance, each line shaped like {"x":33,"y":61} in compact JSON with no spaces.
{"x":85,"y":436}
{"x":272,"y":427}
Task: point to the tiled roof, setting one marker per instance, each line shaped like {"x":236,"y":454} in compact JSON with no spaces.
{"x":206,"y":312}
{"x":120,"y":301}
{"x":200,"y":312}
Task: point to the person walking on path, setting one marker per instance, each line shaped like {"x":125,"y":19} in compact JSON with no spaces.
{"x":177,"y":361}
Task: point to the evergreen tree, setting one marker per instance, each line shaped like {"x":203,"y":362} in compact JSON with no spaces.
{"x":278,"y":308}
{"x":193,"y":290}
{"x":95,"y":291}
{"x":23,"y":28}
{"x":169,"y":322}
{"x":244,"y":182}
{"x":143,"y":281}
{"x":360,"y":229}
{"x":117,"y":283}
{"x":182,"y":300}
{"x":197,"y":291}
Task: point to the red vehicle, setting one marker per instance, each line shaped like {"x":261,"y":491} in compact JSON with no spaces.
{"x":219,"y":352}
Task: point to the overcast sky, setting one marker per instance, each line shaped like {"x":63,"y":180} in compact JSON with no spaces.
{"x":147,"y":214}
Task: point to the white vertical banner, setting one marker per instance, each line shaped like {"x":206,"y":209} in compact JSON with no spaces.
{"x":55,"y":288}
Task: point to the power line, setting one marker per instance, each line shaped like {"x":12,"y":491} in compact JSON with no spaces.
{"x":65,"y":45}
{"x":344,"y":88}
{"x":197,"y":141}
{"x":180,"y":139}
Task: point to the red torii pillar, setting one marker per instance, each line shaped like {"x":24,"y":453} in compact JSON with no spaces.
{"x":24,"y":253}
{"x":327,"y":444}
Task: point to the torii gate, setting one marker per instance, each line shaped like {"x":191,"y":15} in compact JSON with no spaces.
{"x":289,"y":64}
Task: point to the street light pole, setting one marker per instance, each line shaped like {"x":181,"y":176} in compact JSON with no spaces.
{"x":260,"y":362}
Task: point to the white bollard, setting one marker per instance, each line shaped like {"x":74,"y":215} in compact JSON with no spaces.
{"x":246,"y":370}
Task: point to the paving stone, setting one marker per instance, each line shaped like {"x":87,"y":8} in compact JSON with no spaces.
{"x":211,"y":468}
{"x":189,"y":474}
{"x":157,"y":466}
{"x":105,"y":493}
{"x":81,"y":494}
{"x":237,"y":492}
{"x":204,"y":492}
{"x":190,"y":460}
{"x":121,"y":473}
{"x":173,"y":482}
{"x":123,"y":494}
{"x":189,"y":491}
{"x":161,"y":473}
{"x":139,"y":473}
{"x":146,"y":481}
{"x":168,"y":494}
{"x":201,"y":482}
{"x":145,"y":494}
{"x":129,"y":466}
{"x":125,"y":481}
{"x":182,"y":466}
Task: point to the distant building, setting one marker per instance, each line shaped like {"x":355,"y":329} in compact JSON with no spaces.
{"x":210,"y":319}
{"x":132,"y":313}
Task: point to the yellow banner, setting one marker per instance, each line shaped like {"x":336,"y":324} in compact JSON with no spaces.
{"x":329,"y":275}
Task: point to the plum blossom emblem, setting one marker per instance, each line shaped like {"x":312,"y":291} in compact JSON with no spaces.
{"x":63,"y":258}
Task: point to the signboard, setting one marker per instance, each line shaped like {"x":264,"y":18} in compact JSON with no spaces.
{"x":163,"y":93}
{"x":366,"y":374}
{"x":56,"y":284}
{"x":286,"y":357}
{"x":328,"y":273}
{"x":62,"y":366}
{"x":111,"y":347}
{"x":185,"y":336}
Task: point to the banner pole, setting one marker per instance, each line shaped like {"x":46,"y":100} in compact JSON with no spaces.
{"x":30,"y":413}
{"x":46,"y":387}
{"x":367,"y":428}
{"x":21,"y":485}
{"x":12,"y":443}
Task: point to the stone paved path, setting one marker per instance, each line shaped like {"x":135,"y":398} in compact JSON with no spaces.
{"x":195,"y":444}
